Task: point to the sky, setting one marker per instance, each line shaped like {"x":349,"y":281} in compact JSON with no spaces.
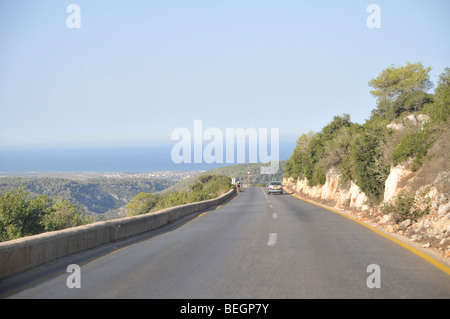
{"x":136,"y":70}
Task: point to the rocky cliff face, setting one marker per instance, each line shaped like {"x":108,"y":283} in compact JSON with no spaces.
{"x":432,"y":230}
{"x":331,"y":192}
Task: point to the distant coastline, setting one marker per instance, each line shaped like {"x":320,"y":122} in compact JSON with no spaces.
{"x":132,"y":160}
{"x":81,"y":176}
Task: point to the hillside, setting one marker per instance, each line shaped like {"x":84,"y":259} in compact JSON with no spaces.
{"x":394,"y":169}
{"x":204,"y":187}
{"x":100,"y":196}
{"x":26,"y":209}
{"x":239,"y":172}
{"x":106,"y":197}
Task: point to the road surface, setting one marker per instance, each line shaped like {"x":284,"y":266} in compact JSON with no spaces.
{"x":254,"y":246}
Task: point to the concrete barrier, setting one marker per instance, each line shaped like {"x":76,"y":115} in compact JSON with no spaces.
{"x":25,"y":253}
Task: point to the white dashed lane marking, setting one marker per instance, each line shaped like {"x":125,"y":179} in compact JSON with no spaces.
{"x":272,"y":239}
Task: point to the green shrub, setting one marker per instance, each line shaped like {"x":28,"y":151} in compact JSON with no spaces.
{"x":22,"y":214}
{"x":306,"y":161}
{"x":204,"y":188}
{"x":320,"y":177}
{"x":141,"y":204}
{"x":63,"y":214}
{"x":369,"y":170}
{"x":439,"y":110}
{"x":414,"y":145}
{"x":407,"y":207}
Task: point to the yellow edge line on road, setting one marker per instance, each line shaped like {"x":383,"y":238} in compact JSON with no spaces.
{"x":433,"y":261}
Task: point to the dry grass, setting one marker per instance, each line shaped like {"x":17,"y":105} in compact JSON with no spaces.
{"x":438,"y":161}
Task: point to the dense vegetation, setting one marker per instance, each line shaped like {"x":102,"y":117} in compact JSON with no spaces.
{"x":96,"y":195}
{"x":365,"y":153}
{"x":22,"y":214}
{"x":205,"y":187}
{"x":25,"y":213}
{"x":31,"y":206}
{"x":407,"y":207}
{"x":240,"y":172}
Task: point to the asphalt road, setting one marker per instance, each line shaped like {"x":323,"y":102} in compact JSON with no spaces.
{"x":254,"y":246}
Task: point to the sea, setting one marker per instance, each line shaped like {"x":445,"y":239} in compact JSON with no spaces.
{"x":105,"y":159}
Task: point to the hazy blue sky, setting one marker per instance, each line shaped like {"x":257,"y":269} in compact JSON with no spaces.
{"x":136,"y":70}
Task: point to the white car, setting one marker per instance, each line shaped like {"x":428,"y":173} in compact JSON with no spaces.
{"x":275,"y":187}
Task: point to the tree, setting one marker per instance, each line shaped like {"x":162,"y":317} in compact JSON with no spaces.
{"x":307,"y":159}
{"x":21,"y":214}
{"x":171,"y":199}
{"x":203,"y":188}
{"x":141,"y":204}
{"x":338,"y":148}
{"x":63,"y":214}
{"x":440,"y":109}
{"x":369,"y":170}
{"x":411,"y":102}
{"x":398,"y":89}
{"x":304,"y":140}
{"x":294,"y":166}
{"x":335,"y":126}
